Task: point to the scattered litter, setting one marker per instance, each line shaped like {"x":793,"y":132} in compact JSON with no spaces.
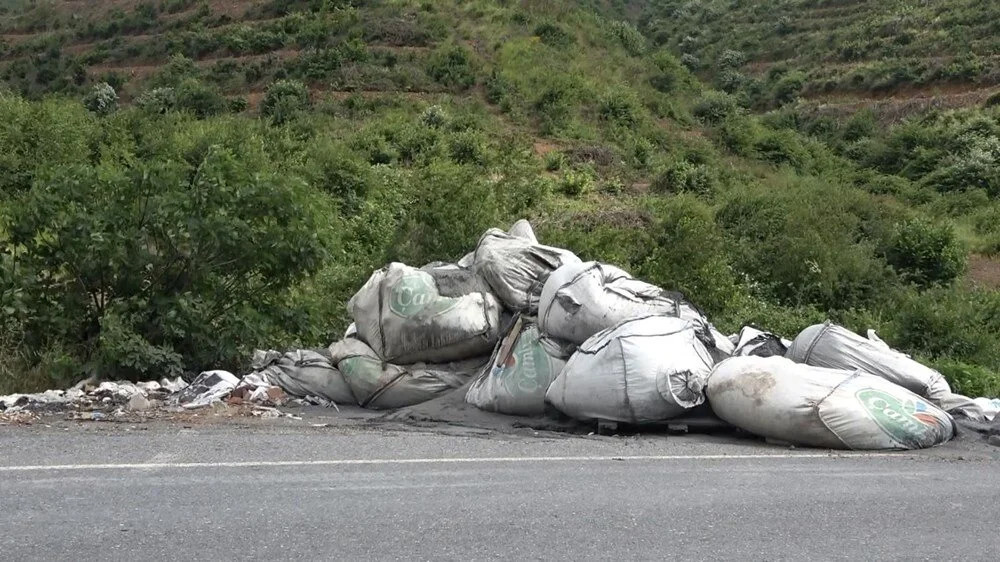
{"x":139,"y":403}
{"x":989,"y":406}
{"x":208,"y":387}
{"x":586,"y":340}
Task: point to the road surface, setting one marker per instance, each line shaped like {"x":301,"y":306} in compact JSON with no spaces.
{"x":166,"y":492}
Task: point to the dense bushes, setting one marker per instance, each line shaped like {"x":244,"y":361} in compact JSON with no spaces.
{"x":283,"y":99}
{"x":925,"y":253}
{"x":164,"y":266}
{"x":452,"y":66}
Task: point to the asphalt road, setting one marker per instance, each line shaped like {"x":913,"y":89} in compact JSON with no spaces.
{"x":364,"y":494}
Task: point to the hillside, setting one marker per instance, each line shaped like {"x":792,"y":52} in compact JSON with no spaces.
{"x":183,"y":182}
{"x":899,"y":57}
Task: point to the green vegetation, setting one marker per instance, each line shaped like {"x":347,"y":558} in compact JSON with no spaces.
{"x":196,"y":184}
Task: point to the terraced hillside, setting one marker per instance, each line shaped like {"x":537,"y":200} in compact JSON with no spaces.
{"x":899,"y":57}
{"x":183,"y":182}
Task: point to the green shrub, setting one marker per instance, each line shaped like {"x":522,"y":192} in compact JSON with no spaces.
{"x":629,"y":37}
{"x":969,"y":380}
{"x":284,"y":99}
{"x":554,"y":35}
{"x":456,"y":204}
{"x":576,"y":182}
{"x":501,"y":91}
{"x":467,"y":147}
{"x":731,"y":59}
{"x":689,"y":253}
{"x":554,"y":161}
{"x":102,"y":99}
{"x":554,"y":104}
{"x":671,"y":73}
{"x":714,"y":107}
{"x":434,"y":116}
{"x":860,"y":125}
{"x":948,"y":323}
{"x":777,"y":244}
{"x":452,"y":66}
{"x":787,"y":89}
{"x":690,"y":61}
{"x":199,"y":98}
{"x":334,"y":169}
{"x":619,"y":107}
{"x":157,"y":100}
{"x":683,"y":176}
{"x":925,"y":253}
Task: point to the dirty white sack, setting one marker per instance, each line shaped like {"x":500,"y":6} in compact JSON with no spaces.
{"x":820,"y":407}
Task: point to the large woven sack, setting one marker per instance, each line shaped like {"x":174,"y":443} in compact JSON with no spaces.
{"x":402,"y":316}
{"x":380,"y":385}
{"x":837,"y":409}
{"x":641,"y":370}
{"x":519,"y":373}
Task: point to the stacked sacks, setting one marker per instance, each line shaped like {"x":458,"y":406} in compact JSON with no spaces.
{"x":581,"y":299}
{"x":302,"y":373}
{"x":380,"y":385}
{"x":519,"y":373}
{"x":833,"y":346}
{"x":838,"y":409}
{"x":516,"y":266}
{"x":641,"y":370}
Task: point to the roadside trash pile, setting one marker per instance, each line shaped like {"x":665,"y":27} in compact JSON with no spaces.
{"x":524,"y":329}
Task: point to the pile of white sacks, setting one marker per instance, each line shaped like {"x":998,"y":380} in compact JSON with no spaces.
{"x":531,"y":325}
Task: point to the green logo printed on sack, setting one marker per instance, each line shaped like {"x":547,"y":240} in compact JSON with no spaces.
{"x":361,"y":369}
{"x":528,"y":367}
{"x":416,"y":294}
{"x":907,"y":423}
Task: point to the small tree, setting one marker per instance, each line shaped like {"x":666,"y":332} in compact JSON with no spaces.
{"x":284,"y":98}
{"x":925,"y":253}
{"x":102,"y":99}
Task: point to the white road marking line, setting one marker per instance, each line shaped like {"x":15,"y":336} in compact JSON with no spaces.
{"x":356,"y":462}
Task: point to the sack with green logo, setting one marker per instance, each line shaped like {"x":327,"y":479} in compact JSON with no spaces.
{"x":836,"y":347}
{"x":777,"y":398}
{"x":519,"y":373}
{"x":642,"y":370}
{"x":516,"y":267}
{"x":303,"y":373}
{"x":581,"y":299}
{"x":402,"y":315}
{"x":379,"y":385}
